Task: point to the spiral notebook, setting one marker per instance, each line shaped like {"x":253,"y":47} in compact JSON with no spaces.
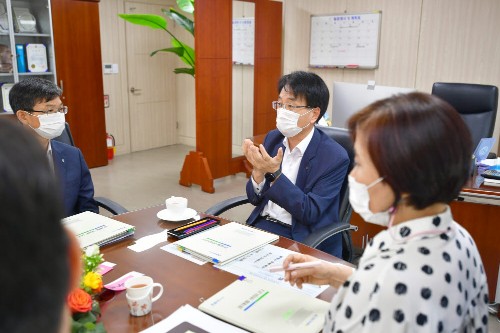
{"x":91,"y":228}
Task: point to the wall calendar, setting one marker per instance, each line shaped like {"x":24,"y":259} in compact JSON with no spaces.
{"x":345,"y":40}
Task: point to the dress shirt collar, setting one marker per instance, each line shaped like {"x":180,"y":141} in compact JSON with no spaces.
{"x":302,"y":146}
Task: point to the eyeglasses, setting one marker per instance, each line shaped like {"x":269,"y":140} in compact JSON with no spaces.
{"x":63,"y":109}
{"x":278,"y":105}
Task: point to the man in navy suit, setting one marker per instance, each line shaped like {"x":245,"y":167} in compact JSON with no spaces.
{"x":37,"y":105}
{"x":298,"y":171}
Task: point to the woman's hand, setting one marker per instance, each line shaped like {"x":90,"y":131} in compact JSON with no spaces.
{"x":326,"y":273}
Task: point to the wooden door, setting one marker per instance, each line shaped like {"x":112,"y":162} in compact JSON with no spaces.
{"x":151,"y":83}
{"x":77,"y":47}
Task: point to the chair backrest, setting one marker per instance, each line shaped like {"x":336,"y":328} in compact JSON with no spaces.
{"x":342,"y":137}
{"x":66,"y":136}
{"x":476,"y":103}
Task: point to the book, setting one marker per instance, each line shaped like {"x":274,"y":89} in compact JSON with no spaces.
{"x":21,"y":58}
{"x":91,"y":228}
{"x":260,"y":306}
{"x":225,"y":243}
{"x":491,"y":182}
{"x":188,"y":319}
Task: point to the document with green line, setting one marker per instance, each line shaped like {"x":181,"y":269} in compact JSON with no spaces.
{"x":263,"y":307}
{"x":222,"y":244}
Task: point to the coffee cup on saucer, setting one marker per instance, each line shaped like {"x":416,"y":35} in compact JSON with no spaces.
{"x":176,"y":205}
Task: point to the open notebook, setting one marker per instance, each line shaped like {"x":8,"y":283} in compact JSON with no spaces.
{"x":91,"y":228}
{"x":263,"y":307}
{"x":225,"y":243}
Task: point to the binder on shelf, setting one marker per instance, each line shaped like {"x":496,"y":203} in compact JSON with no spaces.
{"x":36,"y":58}
{"x":5,"y":97}
{"x":21,"y":58}
{"x":91,"y":228}
{"x":263,"y":307}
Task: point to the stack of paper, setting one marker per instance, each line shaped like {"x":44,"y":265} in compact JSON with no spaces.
{"x":491,"y":182}
{"x":228,"y":242}
{"x":263,"y":307}
{"x":91,"y":228}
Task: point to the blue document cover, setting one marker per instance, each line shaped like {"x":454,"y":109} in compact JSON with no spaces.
{"x":21,"y":58}
{"x":483,"y":148}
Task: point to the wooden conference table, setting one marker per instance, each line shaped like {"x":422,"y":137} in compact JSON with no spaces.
{"x":183,"y":282}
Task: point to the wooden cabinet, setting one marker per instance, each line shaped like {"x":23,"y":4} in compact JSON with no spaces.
{"x":77,"y":46}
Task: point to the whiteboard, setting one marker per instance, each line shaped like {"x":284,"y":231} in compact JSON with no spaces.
{"x":345,"y":40}
{"x":243,"y":40}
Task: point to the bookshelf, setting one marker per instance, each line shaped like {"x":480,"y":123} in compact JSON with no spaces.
{"x":22,"y":23}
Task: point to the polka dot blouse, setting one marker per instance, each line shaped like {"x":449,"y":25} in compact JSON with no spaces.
{"x":424,"y":275}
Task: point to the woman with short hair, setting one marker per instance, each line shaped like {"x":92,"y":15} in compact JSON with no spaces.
{"x":424,"y":273}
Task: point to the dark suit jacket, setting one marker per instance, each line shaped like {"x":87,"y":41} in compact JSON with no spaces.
{"x":74,"y":177}
{"x":314,"y":200}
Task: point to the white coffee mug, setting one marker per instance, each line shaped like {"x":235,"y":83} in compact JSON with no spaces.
{"x":140,"y":306}
{"x":141,"y":286}
{"x":176,"y":205}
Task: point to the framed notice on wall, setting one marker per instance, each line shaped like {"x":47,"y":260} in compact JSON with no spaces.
{"x":243,"y":41}
{"x":345,"y":40}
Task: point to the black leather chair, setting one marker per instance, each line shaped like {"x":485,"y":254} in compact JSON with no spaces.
{"x":319,"y":236}
{"x":476,"y":103}
{"x":105,"y":203}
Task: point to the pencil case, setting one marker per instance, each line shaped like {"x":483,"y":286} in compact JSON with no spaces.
{"x":192,"y":228}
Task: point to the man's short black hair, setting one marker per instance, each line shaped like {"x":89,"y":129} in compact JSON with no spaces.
{"x":34,"y":256}
{"x":309,"y":86}
{"x":25,"y":94}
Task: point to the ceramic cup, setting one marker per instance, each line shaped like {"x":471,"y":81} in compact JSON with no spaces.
{"x":176,"y":205}
{"x":140,"y":294}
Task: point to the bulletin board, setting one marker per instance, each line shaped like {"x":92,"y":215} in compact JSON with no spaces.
{"x":345,"y":40}
{"x":243,"y":41}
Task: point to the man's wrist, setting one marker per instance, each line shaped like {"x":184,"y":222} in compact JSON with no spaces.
{"x":272,"y":176}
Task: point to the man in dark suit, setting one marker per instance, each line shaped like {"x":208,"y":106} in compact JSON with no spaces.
{"x":298,"y":171}
{"x":37,"y":105}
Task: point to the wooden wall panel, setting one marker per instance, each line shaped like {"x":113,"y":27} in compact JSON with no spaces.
{"x":268,"y":47}
{"x":79,"y":68}
{"x":213,"y":42}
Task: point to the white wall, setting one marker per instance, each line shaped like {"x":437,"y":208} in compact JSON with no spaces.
{"x":422,"y":41}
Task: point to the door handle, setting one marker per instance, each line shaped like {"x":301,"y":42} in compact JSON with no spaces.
{"x":134,"y":90}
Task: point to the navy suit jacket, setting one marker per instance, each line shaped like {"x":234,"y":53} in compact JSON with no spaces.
{"x":313,"y":201}
{"x":74,"y":177}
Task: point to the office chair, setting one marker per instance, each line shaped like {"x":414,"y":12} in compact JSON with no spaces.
{"x":105,"y":203}
{"x":476,"y":103}
{"x":319,"y":236}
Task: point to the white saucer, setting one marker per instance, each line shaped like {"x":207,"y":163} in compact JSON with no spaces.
{"x":167,"y":215}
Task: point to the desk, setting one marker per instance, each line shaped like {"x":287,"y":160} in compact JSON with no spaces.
{"x":477,"y":209}
{"x":183,"y":281}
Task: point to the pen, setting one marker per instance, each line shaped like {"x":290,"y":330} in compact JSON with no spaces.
{"x":292,"y":267}
{"x":200,"y":226}
{"x":192,"y":224}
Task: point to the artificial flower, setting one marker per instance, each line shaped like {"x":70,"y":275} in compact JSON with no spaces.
{"x":79,"y":301}
{"x":92,"y":281}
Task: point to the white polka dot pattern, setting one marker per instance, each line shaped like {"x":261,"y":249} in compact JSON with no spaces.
{"x":427,"y":283}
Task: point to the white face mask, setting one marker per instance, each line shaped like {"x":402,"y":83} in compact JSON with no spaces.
{"x":286,"y":122}
{"x":360,"y":202}
{"x":51,"y":125}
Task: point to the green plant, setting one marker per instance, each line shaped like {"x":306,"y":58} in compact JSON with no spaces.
{"x":184,"y":51}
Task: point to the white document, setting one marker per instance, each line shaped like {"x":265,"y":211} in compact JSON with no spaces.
{"x":256,"y":264}
{"x":225,"y":243}
{"x":263,"y":307}
{"x":188,"y":319}
{"x":91,"y":228}
{"x":149,"y":241}
{"x":172,"y":248}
